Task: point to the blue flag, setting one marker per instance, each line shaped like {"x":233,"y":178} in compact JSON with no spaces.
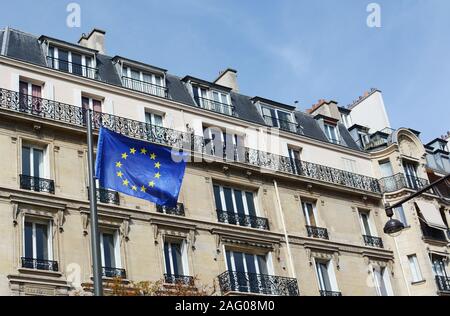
{"x":140,"y":169}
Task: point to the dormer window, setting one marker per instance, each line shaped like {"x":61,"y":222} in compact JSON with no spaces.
{"x":146,"y":82}
{"x":363,"y":139}
{"x":346,"y":120}
{"x":331,"y":132}
{"x":279,"y":119}
{"x":71,"y":62}
{"x":212,"y":100}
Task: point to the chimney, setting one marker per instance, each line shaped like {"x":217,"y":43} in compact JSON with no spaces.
{"x":228,"y":78}
{"x":95,"y":40}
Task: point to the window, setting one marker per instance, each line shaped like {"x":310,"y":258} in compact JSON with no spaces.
{"x":326,"y":277}
{"x":310,"y":212}
{"x":331,"y":132}
{"x":400,"y":215}
{"x":349,"y":165}
{"x":175,"y":258}
{"x":154,"y":119}
{"x":144,"y":81}
{"x":382,"y":281}
{"x":110,"y":250}
{"x":71,"y":62}
{"x":30,"y":96}
{"x":37,"y":250}
{"x":363,"y":139}
{"x":416,"y":275}
{"x":90,"y":103}
{"x":223,"y":144}
{"x":294,"y":157}
{"x":212,"y":100}
{"x":346,"y":120}
{"x":278,"y":118}
{"x":386,"y":169}
{"x":439,"y":265}
{"x":411,"y":175}
{"x":365,"y":223}
{"x":32,"y":162}
{"x":247,"y":272}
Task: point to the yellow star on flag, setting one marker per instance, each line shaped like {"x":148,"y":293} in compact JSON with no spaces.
{"x":153,"y":156}
{"x":134,"y":188}
{"x":158,"y":175}
{"x":124,"y":156}
{"x":125,"y":183}
{"x":120,"y":174}
{"x":151,"y":184}
{"x":157,"y":165}
{"x":132,"y":151}
{"x":143,"y":151}
{"x":143,"y":189}
{"x":119,"y":164}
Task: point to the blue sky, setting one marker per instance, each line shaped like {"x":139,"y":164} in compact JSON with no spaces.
{"x":284,"y":50}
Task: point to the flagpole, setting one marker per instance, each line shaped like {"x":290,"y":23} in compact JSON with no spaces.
{"x":95,"y":237}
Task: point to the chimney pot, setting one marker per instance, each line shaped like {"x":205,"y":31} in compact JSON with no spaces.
{"x":95,"y":40}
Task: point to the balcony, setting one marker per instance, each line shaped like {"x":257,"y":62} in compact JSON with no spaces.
{"x":108,"y":196}
{"x":110,"y":272}
{"x":443,"y":284}
{"x":73,"y":68}
{"x":37,"y":184}
{"x":145,"y":87}
{"x":283,"y":125}
{"x":243,"y":282}
{"x":178,"y":280}
{"x":74,"y":116}
{"x":215,"y":106}
{"x":177,"y":211}
{"x":39,"y":264}
{"x":400,"y":181}
{"x":242,"y":220}
{"x":372,"y":241}
{"x":329,"y":293}
{"x":317,"y":232}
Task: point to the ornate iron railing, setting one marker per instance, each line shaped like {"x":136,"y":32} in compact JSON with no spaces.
{"x":400,"y":181}
{"x":373,"y":241}
{"x":145,"y":87}
{"x":39,"y":264}
{"x":215,"y":106}
{"x":110,"y":272}
{"x":243,"y":282}
{"x":329,"y":293}
{"x":284,"y":125}
{"x":317,"y":232}
{"x":179,"y":279}
{"x":37,"y":184}
{"x":73,"y":115}
{"x":108,"y":196}
{"x":443,"y":283}
{"x":73,"y":68}
{"x":243,"y":220}
{"x":178,"y":210}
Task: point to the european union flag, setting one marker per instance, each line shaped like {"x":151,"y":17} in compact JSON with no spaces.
{"x":140,"y":169}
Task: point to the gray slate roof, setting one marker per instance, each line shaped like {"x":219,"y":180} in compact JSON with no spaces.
{"x":26,"y":47}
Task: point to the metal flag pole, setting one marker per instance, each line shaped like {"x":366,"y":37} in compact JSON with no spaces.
{"x":95,"y":237}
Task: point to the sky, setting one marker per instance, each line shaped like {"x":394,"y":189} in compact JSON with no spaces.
{"x":284,"y":50}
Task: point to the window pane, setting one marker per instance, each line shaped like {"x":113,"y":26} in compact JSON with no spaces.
{"x":28,"y":240}
{"x":135,"y":74}
{"x":158,"y":120}
{"x":38,"y":163}
{"x":76,"y":64}
{"x":400,"y":215}
{"x":26,"y":164}
{"x":85,"y":102}
{"x":322,"y":271}
{"x":63,"y":60}
{"x":365,"y":221}
{"x":250,"y":203}
{"x":228,"y":199}
{"x":167,"y":258}
{"x":239,"y":202}
{"x":147,"y":78}
{"x":217,"y":198}
{"x":108,"y":250}
{"x":250,"y":261}
{"x":97,"y":106}
{"x":41,"y":241}
{"x":176,"y":259}
{"x":239,"y":261}
{"x":229,"y":265}
{"x":262,"y":265}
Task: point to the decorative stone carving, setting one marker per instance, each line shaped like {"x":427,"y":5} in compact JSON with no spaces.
{"x":16,"y":212}
{"x":125,"y":230}
{"x":192,"y":239}
{"x":59,"y":220}
{"x":408,"y":146}
{"x":85,"y":223}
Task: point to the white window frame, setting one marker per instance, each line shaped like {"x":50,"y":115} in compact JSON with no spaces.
{"x":350,"y":165}
{"x":291,"y":153}
{"x":314,"y":208}
{"x":91,"y":101}
{"x":184,"y":256}
{"x":373,"y":231}
{"x":151,"y":115}
{"x":414,"y":266}
{"x":117,"y":254}
{"x":328,"y":132}
{"x":43,"y":168}
{"x":244,"y":199}
{"x":384,"y":274}
{"x":34,"y":221}
{"x":346,"y":119}
{"x":276,"y":111}
{"x":30,"y":87}
{"x":363,"y":137}
{"x":404,"y":220}
{"x":69,"y":60}
{"x":126,"y":71}
{"x":331,"y":275}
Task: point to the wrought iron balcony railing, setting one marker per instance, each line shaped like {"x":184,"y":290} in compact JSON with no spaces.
{"x":400,"y":181}
{"x":73,"y":68}
{"x":37,"y":184}
{"x":329,"y":293}
{"x":178,"y":210}
{"x":69,"y":114}
{"x":215,"y":106}
{"x":178,"y":279}
{"x":145,"y":87}
{"x":110,"y":272}
{"x":243,"y":220}
{"x":317,"y":232}
{"x":39,"y":264}
{"x":443,"y":283}
{"x":243,"y":282}
{"x":373,"y":241}
{"x":108,"y":196}
{"x":284,"y":125}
